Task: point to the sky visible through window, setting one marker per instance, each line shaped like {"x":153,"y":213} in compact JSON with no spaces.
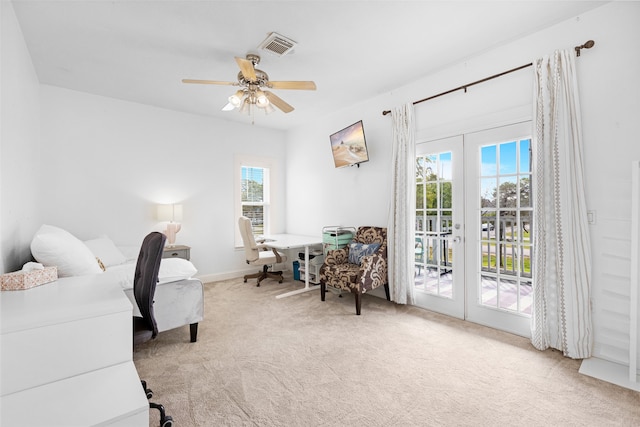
{"x":252,"y":174}
{"x":502,"y":160}
{"x":508,"y":158}
{"x":253,"y":184}
{"x":505,"y":154}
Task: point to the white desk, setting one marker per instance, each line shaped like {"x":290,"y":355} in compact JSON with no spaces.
{"x":292,"y":241}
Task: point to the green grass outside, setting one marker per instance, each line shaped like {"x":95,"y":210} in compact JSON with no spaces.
{"x":508,"y":260}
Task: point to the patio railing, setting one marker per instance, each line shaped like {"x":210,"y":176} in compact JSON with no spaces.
{"x":505,"y":244}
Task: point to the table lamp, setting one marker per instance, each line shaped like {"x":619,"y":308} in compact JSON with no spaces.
{"x":173,"y":214}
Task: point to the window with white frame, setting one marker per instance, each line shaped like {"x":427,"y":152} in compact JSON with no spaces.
{"x":253,"y":194}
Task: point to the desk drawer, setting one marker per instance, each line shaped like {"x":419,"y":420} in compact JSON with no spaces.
{"x":43,"y":355}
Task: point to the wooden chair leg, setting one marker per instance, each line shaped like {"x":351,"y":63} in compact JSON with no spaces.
{"x":358,"y":302}
{"x":323,"y":290}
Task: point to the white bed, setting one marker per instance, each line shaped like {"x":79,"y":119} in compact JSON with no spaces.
{"x":179,"y":297}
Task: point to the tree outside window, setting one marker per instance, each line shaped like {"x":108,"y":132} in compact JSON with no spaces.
{"x":255,"y":197}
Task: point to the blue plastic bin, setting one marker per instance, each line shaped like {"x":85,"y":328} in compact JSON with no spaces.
{"x":296,"y":270}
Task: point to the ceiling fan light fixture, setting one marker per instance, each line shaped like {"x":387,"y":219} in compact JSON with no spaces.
{"x":261,"y":99}
{"x":236,"y":98}
{"x":268,"y":109}
{"x":229,"y":107}
{"x":245,"y":108}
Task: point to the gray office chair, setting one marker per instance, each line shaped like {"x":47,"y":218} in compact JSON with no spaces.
{"x":259,"y":254}
{"x":144,"y":289}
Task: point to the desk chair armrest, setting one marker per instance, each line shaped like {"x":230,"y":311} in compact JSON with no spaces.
{"x":277,"y":254}
{"x":262,"y":247}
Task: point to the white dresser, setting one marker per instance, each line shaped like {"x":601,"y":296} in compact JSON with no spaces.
{"x":66,"y":356}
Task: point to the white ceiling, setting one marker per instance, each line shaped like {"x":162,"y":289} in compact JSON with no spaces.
{"x":140,"y":50}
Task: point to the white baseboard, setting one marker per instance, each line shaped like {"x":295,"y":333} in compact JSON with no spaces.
{"x":207,"y":278}
{"x":216,"y":277}
{"x":610,"y":372}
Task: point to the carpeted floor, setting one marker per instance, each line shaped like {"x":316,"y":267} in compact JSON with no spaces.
{"x":297,"y":361}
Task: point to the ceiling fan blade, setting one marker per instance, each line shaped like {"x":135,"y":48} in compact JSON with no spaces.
{"x":278,"y":102}
{"x":293,"y":85}
{"x":246,"y":68}
{"x":208,"y":82}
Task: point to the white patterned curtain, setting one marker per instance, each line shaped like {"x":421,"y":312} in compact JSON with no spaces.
{"x":562,"y":274}
{"x":402,"y":212}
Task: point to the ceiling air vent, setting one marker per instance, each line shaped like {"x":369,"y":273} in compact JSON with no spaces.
{"x":277,"y":44}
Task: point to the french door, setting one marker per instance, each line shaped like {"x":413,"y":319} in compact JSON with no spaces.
{"x":474,"y":218}
{"x":439,"y":250}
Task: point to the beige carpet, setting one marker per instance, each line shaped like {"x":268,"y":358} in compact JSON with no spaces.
{"x":297,"y":361}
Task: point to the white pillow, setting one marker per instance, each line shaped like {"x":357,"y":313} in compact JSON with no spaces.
{"x":174,"y":269}
{"x":53,"y":246}
{"x":130,"y":252}
{"x":104,"y":249}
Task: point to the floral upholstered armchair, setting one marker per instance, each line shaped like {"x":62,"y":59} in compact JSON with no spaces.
{"x":358,"y":267}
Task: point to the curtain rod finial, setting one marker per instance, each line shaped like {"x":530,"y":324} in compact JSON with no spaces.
{"x":588,"y":45}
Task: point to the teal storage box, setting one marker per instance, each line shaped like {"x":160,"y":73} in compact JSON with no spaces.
{"x":336,"y":237}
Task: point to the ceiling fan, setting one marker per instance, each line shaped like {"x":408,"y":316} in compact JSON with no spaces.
{"x":253,"y":84}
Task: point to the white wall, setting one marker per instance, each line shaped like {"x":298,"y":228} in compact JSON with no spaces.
{"x":19,"y":145}
{"x":108,"y":163}
{"x":318,"y":194}
{"x":610,"y":90}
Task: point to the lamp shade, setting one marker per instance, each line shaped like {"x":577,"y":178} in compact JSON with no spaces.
{"x":171,"y":213}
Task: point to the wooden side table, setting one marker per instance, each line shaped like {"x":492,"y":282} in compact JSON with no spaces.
{"x":177,"y":251}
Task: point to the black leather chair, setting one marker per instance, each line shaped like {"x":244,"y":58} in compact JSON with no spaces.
{"x":144,"y":289}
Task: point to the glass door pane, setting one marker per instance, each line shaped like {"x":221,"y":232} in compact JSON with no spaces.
{"x":500,"y":211}
{"x":439,"y":266}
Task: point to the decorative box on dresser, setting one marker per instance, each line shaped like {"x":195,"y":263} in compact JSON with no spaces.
{"x":67,"y":356}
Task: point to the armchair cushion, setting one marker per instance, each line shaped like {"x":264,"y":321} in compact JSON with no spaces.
{"x":343,"y":276}
{"x":358,"y":250}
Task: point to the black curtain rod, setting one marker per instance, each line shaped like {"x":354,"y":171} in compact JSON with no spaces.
{"x":587,"y":45}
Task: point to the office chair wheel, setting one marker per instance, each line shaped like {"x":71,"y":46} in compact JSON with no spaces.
{"x":280,"y":281}
{"x":167,"y":421}
{"x":147,"y":391}
{"x":245,"y":280}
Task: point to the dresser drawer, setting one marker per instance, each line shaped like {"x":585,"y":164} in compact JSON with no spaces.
{"x":178,"y":251}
